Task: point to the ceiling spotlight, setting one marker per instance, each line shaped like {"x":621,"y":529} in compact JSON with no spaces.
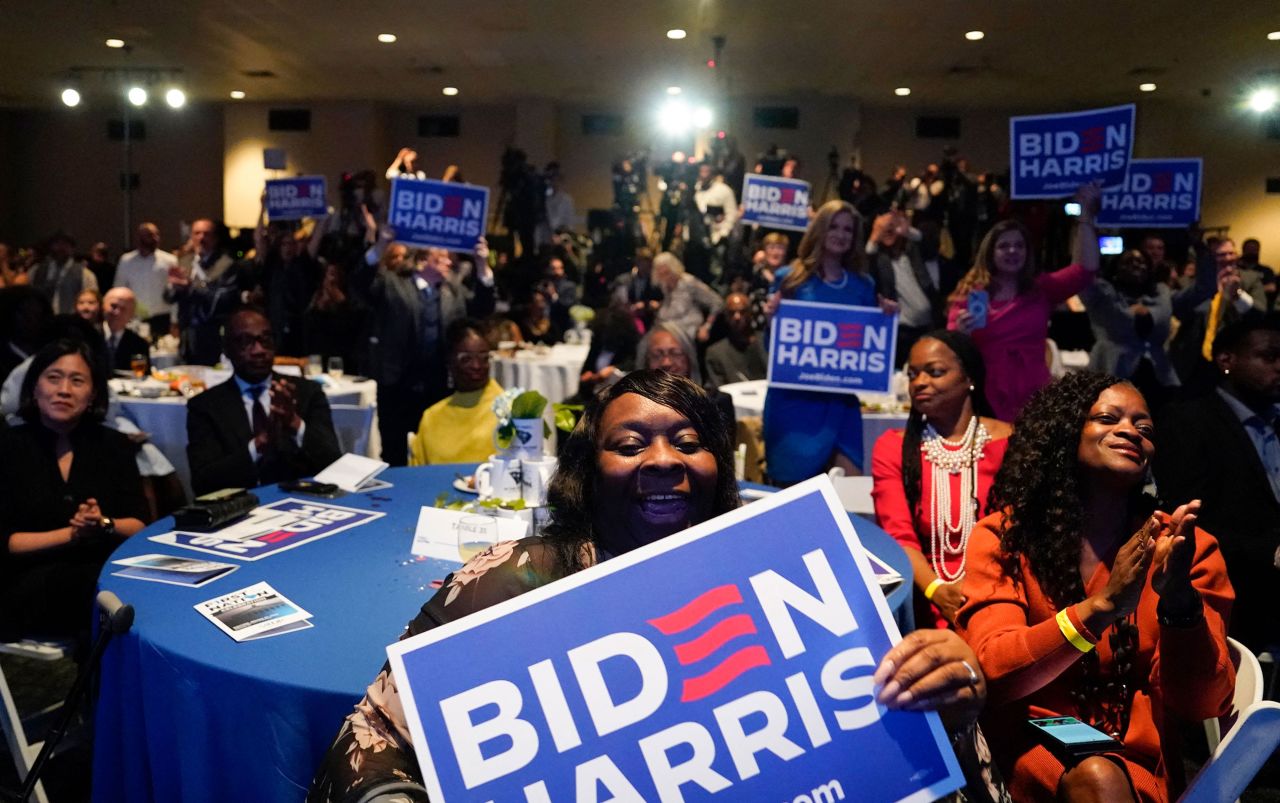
{"x":673,"y":117}
{"x":115,"y":43}
{"x":71,"y":97}
{"x":902,"y":91}
{"x":974,"y":36}
{"x":386,"y":38}
{"x":1147,"y":87}
{"x":674,"y":90}
{"x":1263,"y":100}
{"x":237,"y":94}
{"x":137,"y":96}
{"x":1274,"y":36}
{"x":676,"y":33}
{"x":702,"y":117}
{"x":450,"y":90}
{"x":176,"y":98}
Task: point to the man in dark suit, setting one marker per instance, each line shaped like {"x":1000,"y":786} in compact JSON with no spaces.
{"x":118,"y":307}
{"x":257,"y":427}
{"x":1224,"y":450}
{"x":207,"y":284}
{"x":413,"y":300}
{"x":903,"y":274}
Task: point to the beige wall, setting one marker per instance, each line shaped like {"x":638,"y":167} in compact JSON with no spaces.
{"x":63,"y":173}
{"x":60,"y":171}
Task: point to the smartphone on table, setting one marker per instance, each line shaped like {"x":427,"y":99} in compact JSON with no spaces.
{"x":311,"y":487}
{"x":1068,"y":737}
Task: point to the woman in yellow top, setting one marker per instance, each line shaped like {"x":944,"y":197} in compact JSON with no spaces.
{"x":459,"y":429}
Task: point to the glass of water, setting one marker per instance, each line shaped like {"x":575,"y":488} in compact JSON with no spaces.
{"x":475,"y":535}
{"x":315,"y":365}
{"x":335,"y":367}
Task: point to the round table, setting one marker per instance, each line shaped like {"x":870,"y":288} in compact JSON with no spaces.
{"x":748,"y":400}
{"x":553,"y":373}
{"x":186,"y":713}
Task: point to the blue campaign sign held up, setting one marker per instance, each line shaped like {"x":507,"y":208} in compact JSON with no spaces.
{"x":1053,"y":154}
{"x":429,"y":213}
{"x":717,"y":659}
{"x":779,"y":203}
{"x":1159,"y":193}
{"x":296,"y":198}
{"x":832,"y":347}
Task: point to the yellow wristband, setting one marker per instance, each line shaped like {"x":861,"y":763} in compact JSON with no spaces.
{"x":1072,"y":635}
{"x":932,"y":588}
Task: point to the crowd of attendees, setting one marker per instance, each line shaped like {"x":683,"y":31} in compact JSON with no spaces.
{"x":1055,"y":526}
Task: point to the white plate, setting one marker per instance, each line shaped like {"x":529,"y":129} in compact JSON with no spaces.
{"x":460,"y":485}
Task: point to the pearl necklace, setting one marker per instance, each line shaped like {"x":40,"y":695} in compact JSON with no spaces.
{"x":945,"y":462}
{"x":844,"y":279}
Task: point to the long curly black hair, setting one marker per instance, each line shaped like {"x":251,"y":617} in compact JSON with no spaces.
{"x":1038,"y":486}
{"x":976,"y":371}
{"x":1039,"y":489}
{"x":572,"y":489}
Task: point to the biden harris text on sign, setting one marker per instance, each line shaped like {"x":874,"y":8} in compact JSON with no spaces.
{"x":1051,"y":155}
{"x":832,"y":347}
{"x":436,"y":214}
{"x":723,"y":659}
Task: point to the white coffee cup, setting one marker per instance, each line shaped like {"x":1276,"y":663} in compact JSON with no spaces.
{"x":535,"y":477}
{"x":499,"y":478}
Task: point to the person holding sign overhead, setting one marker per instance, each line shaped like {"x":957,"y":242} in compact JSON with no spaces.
{"x":1085,"y":602}
{"x":931,"y":480}
{"x":807,"y":432}
{"x":650,"y":458}
{"x":1004,"y":303}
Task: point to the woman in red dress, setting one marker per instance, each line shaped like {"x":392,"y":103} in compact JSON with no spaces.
{"x":1083,"y":602}
{"x":931,"y":480}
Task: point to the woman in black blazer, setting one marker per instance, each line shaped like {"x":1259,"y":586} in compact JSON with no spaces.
{"x":69,"y":493}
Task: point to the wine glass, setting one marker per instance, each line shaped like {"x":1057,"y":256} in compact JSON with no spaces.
{"x":475,"y":535}
{"x":335,"y":367}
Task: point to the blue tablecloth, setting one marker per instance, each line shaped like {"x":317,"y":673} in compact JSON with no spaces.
{"x":186,"y":713}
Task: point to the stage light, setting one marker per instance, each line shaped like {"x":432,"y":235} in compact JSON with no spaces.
{"x":702,"y":117}
{"x":115,"y":43}
{"x":674,"y":90}
{"x":1274,"y":36}
{"x":237,"y":94}
{"x":902,"y":91}
{"x":974,"y":36}
{"x":1147,"y":87}
{"x":673,"y":117}
{"x":176,"y":98}
{"x":450,"y":90}
{"x":676,"y":33}
{"x":386,"y":38}
{"x":137,"y":96}
{"x":1263,"y":100}
{"x":71,"y":97}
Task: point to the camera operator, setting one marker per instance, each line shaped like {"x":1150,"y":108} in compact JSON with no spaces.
{"x":719,"y":211}
{"x":628,"y":188}
{"x":524,"y":194}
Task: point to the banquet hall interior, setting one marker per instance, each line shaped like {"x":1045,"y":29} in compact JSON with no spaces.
{"x":211,"y":207}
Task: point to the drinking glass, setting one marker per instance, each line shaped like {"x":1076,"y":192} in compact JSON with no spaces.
{"x":315,"y":365}
{"x":475,"y":535}
{"x":138,"y":364}
{"x":335,"y":367}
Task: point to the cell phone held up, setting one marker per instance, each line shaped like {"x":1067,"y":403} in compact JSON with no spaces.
{"x":1069,"y":738}
{"x":978,"y":303}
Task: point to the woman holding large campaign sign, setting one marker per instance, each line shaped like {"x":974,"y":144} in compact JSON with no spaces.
{"x":651,"y":457}
{"x":1084,"y":603}
{"x":932,"y":479}
{"x":1004,"y":303}
{"x":806,"y":432}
